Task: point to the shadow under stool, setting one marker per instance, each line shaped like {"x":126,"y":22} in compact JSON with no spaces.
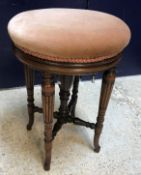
{"x":68,"y":43}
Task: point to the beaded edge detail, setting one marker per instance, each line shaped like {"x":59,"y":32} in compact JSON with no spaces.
{"x":63,"y":59}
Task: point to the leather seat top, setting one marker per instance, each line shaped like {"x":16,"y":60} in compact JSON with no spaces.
{"x":69,"y":35}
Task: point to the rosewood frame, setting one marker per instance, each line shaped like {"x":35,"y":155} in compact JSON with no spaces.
{"x":68,"y":72}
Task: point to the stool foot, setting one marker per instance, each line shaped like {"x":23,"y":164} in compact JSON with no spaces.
{"x":97,"y":149}
{"x":29,"y":78}
{"x":30,"y":124}
{"x":46,"y":165}
{"x":48,"y":90}
{"x":106,"y":89}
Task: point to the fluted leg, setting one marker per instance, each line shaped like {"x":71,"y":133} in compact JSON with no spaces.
{"x":29,"y":78}
{"x":48,"y":90}
{"x":106,"y":89}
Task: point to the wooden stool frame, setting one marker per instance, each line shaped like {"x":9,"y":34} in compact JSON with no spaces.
{"x":69,"y":73}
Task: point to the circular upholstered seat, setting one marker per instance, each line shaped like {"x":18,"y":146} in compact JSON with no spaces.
{"x":69,"y":35}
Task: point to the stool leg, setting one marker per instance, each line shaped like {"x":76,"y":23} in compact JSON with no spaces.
{"x":73,"y":101}
{"x":48,"y":90}
{"x":66,"y":82}
{"x":106,"y":89}
{"x":29,"y":79}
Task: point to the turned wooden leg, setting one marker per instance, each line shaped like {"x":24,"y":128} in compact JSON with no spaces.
{"x":66,"y":82}
{"x":29,"y":79}
{"x":73,"y":101}
{"x":48,"y":90}
{"x":106,"y":89}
